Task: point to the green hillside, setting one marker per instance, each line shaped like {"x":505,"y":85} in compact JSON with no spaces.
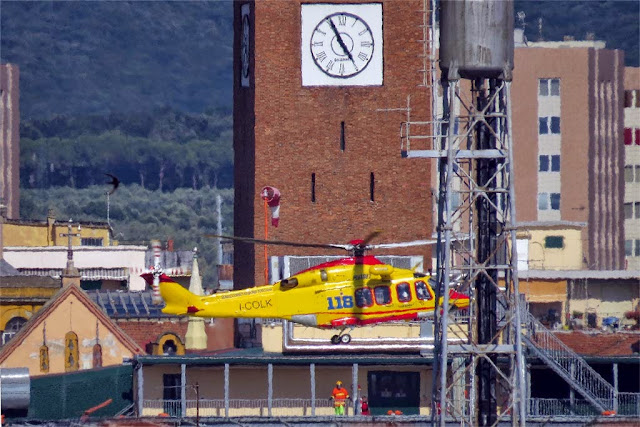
{"x":99,"y":57}
{"x":617,"y":22}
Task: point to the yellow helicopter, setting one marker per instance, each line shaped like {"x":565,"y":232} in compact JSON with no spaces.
{"x":341,"y":294}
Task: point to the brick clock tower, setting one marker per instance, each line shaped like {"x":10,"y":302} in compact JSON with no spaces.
{"x":317,"y":90}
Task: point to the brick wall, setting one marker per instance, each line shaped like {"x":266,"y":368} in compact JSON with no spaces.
{"x":284,"y":133}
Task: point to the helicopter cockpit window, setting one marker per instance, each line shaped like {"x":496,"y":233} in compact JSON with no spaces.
{"x":421,"y":291}
{"x":404,"y":292}
{"x":364,"y":298}
{"x":383,"y":295}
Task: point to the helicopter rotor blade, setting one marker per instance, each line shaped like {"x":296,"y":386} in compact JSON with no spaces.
{"x":403,"y":244}
{"x":279,"y":242}
{"x":370,"y":237}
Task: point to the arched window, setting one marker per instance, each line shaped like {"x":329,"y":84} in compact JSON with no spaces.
{"x":12,"y":328}
{"x":71,"y":352}
{"x":97,"y":356}
{"x":169,"y":348}
{"x":44,"y":359}
{"x":169,"y":344}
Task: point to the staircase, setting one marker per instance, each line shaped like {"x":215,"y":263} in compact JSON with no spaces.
{"x":567,"y":364}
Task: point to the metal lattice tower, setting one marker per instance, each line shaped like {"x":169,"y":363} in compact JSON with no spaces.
{"x":479,"y":379}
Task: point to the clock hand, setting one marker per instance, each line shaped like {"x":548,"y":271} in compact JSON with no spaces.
{"x":340,"y":41}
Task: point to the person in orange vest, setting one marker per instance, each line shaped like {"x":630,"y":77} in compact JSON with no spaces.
{"x":339,"y":396}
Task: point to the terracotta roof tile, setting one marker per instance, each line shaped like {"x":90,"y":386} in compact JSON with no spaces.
{"x":600,"y":343}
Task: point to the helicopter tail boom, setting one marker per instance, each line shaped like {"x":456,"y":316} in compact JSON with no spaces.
{"x":179,"y":301}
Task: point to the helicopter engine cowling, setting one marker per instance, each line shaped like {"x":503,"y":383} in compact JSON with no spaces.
{"x":305,"y":319}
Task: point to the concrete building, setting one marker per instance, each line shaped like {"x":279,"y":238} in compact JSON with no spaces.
{"x":632,"y":167}
{"x":10,"y":138}
{"x":568,"y":120}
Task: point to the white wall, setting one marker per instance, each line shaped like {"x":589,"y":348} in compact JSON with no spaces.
{"x":130,"y":257}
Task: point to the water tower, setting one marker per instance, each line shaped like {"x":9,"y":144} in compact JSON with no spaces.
{"x":479,"y":381}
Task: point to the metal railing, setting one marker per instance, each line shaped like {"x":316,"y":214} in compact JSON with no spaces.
{"x":567,"y":364}
{"x":217,"y":407}
{"x":539,"y":407}
{"x":629,"y":404}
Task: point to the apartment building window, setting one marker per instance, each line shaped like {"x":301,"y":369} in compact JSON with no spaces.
{"x":631,"y":135}
{"x":91,"y":241}
{"x":628,"y":173}
{"x":632,"y":247}
{"x":632,"y":98}
{"x":549,"y":87}
{"x":548,"y":201}
{"x":549,"y":163}
{"x":549,"y":125}
{"x":628,"y":210}
{"x":543,"y":201}
{"x":632,"y":210}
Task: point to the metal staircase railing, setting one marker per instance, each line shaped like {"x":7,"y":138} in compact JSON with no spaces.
{"x":567,"y":364}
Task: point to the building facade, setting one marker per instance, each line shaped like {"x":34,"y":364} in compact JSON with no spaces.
{"x":568,"y":121}
{"x":632,"y":167}
{"x":68,"y":334}
{"x":10,"y":138}
{"x":320,"y":121}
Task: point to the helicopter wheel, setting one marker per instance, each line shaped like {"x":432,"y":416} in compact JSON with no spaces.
{"x":345,"y":339}
{"x":335,"y":339}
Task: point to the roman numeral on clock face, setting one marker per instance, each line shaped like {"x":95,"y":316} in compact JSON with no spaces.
{"x":321,"y":56}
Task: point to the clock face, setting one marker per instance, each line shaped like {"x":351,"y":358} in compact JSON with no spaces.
{"x":341,"y":44}
{"x":245,"y":45}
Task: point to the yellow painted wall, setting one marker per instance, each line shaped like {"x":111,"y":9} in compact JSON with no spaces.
{"x":272,"y":333}
{"x":39,"y":234}
{"x":567,"y":258}
{"x":8,"y":312}
{"x":544,"y":290}
{"x":249,"y":383}
{"x":26,"y":235}
{"x":25,"y":310}
{"x":605,"y":298}
{"x":70,"y":315}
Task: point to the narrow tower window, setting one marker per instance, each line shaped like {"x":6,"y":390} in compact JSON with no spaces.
{"x":342,"y":141}
{"x":372,"y":187}
{"x":313,"y":187}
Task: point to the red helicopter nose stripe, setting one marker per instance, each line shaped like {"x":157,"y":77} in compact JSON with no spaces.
{"x":193,"y":309}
